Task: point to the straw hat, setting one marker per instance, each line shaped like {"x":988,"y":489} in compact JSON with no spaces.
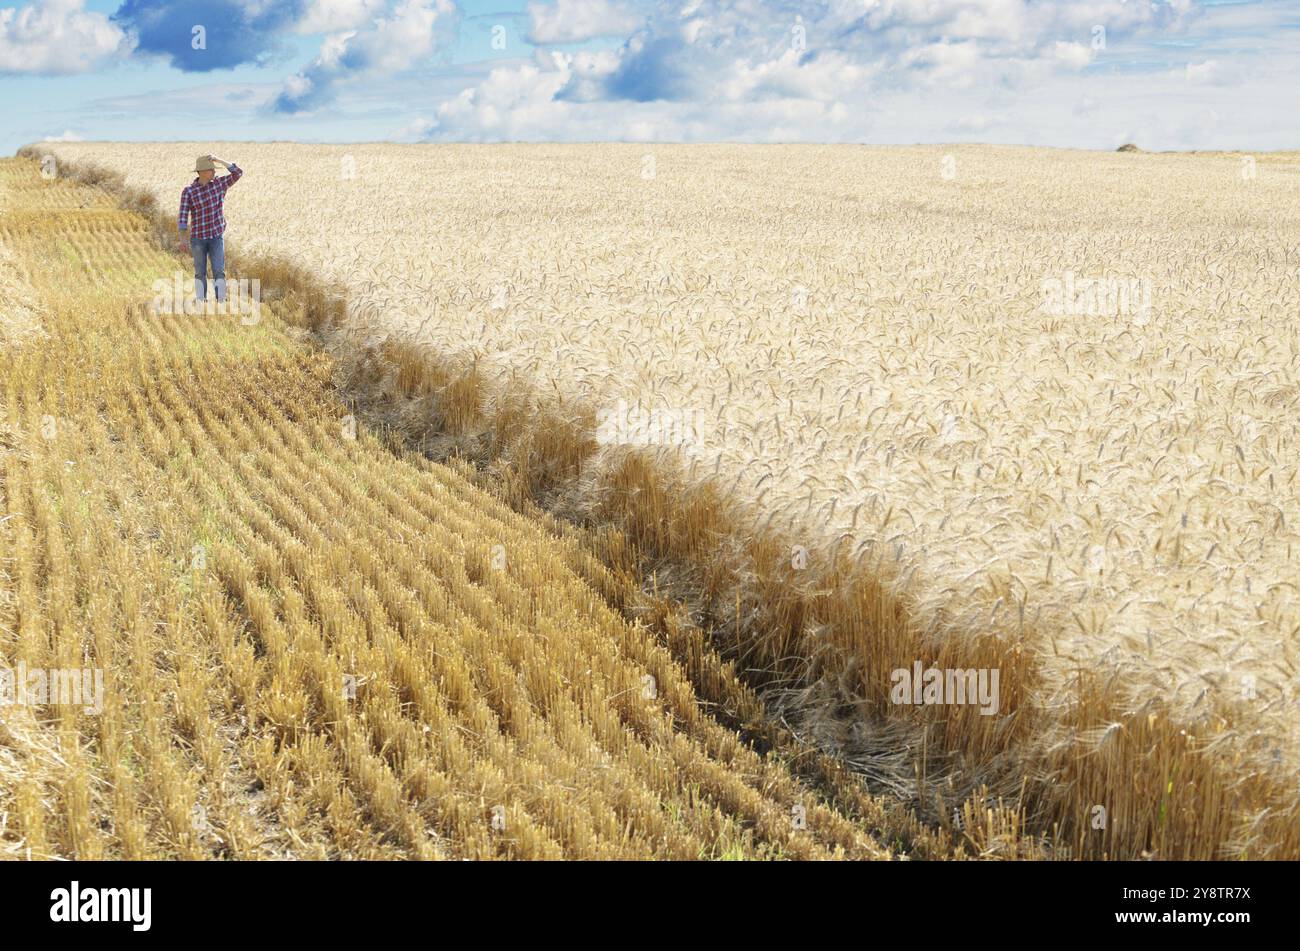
{"x":204,"y":164}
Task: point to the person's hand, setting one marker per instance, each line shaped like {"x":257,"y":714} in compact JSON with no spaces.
{"x":218,"y":161}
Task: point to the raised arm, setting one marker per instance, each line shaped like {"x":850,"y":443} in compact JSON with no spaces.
{"x":236,"y":173}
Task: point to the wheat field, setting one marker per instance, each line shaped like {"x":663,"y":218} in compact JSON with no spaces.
{"x":315,"y":646}
{"x":910,"y":438}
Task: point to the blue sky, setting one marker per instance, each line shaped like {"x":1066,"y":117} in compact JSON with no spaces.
{"x":1168,"y":74}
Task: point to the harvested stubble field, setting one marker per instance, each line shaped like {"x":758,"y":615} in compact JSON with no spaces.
{"x":317,"y":647}
{"x":1095,"y":497}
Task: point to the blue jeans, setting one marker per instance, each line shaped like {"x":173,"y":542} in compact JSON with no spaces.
{"x":204,"y":249}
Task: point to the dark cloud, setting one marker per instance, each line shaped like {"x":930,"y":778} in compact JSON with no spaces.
{"x":233,"y":37}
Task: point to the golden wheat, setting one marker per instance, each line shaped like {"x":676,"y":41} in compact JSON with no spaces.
{"x":1102,"y":505}
{"x":316,"y":648}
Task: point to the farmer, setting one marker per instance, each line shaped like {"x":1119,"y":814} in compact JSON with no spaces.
{"x":201,"y":203}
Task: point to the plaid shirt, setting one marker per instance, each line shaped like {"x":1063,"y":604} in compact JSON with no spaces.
{"x":201,"y":205}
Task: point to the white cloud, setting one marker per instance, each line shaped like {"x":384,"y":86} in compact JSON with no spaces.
{"x":333,"y":47}
{"x":571,"y":21}
{"x":1007,"y":71}
{"x":417,"y":129}
{"x":336,"y":16}
{"x":962,"y":18}
{"x":509,"y":103}
{"x":58,"y":37}
{"x":945,"y":63}
{"x":763,"y":48}
{"x":584,"y":73}
{"x":1174,"y":74}
{"x":390,"y":44}
{"x":823,"y":78}
{"x":517,"y":103}
{"x":397,"y":41}
{"x":1210,"y":72}
{"x":1070,"y":55}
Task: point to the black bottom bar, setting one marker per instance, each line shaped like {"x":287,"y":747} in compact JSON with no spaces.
{"x":941,"y":901}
